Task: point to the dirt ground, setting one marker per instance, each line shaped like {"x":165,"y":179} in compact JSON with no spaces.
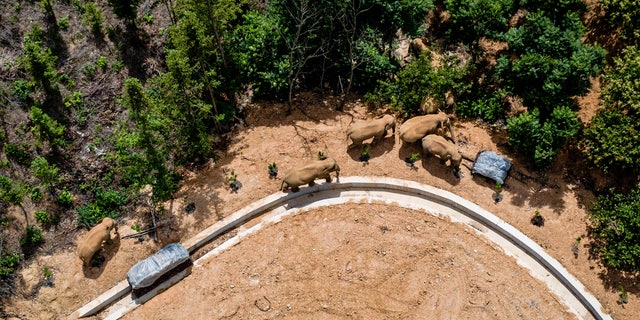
{"x":337,"y":262}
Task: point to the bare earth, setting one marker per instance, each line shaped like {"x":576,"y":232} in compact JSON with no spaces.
{"x":360,"y":261}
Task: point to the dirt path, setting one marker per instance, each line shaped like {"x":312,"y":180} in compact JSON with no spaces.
{"x":271,"y":136}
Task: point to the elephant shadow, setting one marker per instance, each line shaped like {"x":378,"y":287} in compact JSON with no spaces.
{"x":375,"y":150}
{"x":101,"y":258}
{"x":440,"y":170}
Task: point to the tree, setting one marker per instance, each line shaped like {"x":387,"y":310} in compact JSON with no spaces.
{"x":612,"y":139}
{"x":624,"y":14}
{"x":615,"y":225}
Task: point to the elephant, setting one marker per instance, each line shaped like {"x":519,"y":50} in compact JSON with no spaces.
{"x":307,"y":173}
{"x":443,"y":149}
{"x":95,"y":238}
{"x":416,"y":128}
{"x":376,"y":128}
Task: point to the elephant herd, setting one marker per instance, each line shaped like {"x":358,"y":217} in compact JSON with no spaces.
{"x":428,"y":128}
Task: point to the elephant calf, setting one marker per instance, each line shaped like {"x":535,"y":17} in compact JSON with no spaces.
{"x":307,"y":173}
{"x":94,"y":239}
{"x":377,"y":128}
{"x":416,"y":128}
{"x":442,"y":148}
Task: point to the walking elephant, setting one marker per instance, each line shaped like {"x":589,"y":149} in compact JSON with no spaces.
{"x":443,"y":149}
{"x":418,"y":127}
{"x":95,"y":238}
{"x":307,"y":173}
{"x":376,"y":128}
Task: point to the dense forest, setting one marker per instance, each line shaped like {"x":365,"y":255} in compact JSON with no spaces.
{"x":101,"y":98}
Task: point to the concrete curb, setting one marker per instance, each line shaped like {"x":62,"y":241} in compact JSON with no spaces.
{"x":404,"y":193}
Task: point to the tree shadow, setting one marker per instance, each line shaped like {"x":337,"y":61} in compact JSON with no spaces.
{"x":614,"y":280}
{"x":133,"y":43}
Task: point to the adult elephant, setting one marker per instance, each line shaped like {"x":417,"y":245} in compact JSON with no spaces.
{"x":376,"y":128}
{"x":418,"y":127}
{"x":310,"y":171}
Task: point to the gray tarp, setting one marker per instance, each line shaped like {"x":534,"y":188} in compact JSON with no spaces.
{"x":146,"y":272}
{"x":492,"y":166}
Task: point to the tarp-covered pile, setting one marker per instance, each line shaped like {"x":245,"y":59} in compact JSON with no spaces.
{"x":492,"y":166}
{"x":147,"y":271}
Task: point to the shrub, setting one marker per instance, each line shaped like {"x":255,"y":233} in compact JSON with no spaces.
{"x":65,"y":198}
{"x":48,"y":174}
{"x":18,"y":152}
{"x":35,"y":194}
{"x":487,"y":106}
{"x":39,"y":61}
{"x":93,"y":18}
{"x":42,"y":216}
{"x":73,"y":100}
{"x":33,"y":236}
{"x":616,"y":229}
{"x":46,"y":127}
{"x":611,"y":139}
{"x":21,"y":90}
{"x":11,"y":192}
{"x":9,"y":261}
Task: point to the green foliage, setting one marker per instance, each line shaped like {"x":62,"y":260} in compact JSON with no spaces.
{"x":93,"y":18}
{"x":414,"y":157}
{"x":63,"y":23}
{"x":18,"y":152}
{"x":483,"y":105}
{"x":42,"y":216}
{"x":624,"y":14}
{"x":44,"y":127}
{"x":46,"y":272}
{"x":39,"y":61}
{"x":10,"y":191}
{"x":73,"y":100}
{"x":22,"y":89}
{"x":616,"y":229}
{"x":552,"y":64}
{"x":48,"y":173}
{"x":148,"y":17}
{"x":36,"y":194}
{"x":9,"y":261}
{"x":419,"y":80}
{"x":540,"y":141}
{"x":33,"y":236}
{"x":65,"y":198}
{"x":101,"y":63}
{"x":611,"y":140}
{"x":471,"y":20}
{"x":107,"y":204}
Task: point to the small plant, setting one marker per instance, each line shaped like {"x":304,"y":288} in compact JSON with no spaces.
{"x":22,"y":89}
{"x":148,"y":17}
{"x":42,"y":216}
{"x":65,"y":198}
{"x":321,"y":155}
{"x":93,"y":18}
{"x":575,"y":247}
{"x":101,"y":63}
{"x":364,"y":156}
{"x":273,"y":170}
{"x":117,"y":65}
{"x":73,"y":100}
{"x":537,"y":219}
{"x":9,"y":261}
{"x":36,"y":194}
{"x":63,"y":23}
{"x":624,"y":297}
{"x":46,"y":272}
{"x":410,"y":161}
{"x":497,"y":196}
{"x":234,"y":184}
{"x":33,"y":236}
{"x":136,"y":227}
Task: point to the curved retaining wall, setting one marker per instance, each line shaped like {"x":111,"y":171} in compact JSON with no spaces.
{"x":399,"y":192}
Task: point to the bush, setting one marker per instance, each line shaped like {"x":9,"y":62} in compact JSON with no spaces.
{"x":65,"y":198}
{"x":45,"y":127}
{"x":33,"y":236}
{"x":107,"y":204}
{"x":487,"y":106}
{"x":616,"y":229}
{"x":18,"y":152}
{"x":48,"y":174}
{"x":540,"y":142}
{"x":42,"y":216}
{"x":11,"y":192}
{"x":21,"y":89}
{"x":9,"y":261}
{"x":93,"y":18}
{"x":611,"y":139}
